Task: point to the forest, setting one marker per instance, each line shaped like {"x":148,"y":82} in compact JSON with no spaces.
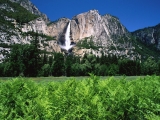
{"x":28,"y":60}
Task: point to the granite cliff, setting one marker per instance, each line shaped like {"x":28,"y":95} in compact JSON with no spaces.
{"x":104,"y":32}
{"x":92,"y":32}
{"x":149,"y":36}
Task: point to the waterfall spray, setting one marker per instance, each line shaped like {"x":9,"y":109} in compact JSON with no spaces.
{"x":67,"y":46}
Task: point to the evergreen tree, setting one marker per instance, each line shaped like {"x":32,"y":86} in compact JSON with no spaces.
{"x":149,"y":67}
{"x":14,"y":63}
{"x":32,"y":59}
{"x":58,"y":65}
{"x":129,"y":67}
{"x":68,"y":63}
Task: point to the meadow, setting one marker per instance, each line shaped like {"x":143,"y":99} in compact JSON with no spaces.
{"x":70,"y":98}
{"x":64,"y":78}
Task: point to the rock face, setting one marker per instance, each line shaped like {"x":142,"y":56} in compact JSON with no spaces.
{"x":149,"y":36}
{"x":37,"y":25}
{"x":89,"y":24}
{"x":58,"y":28}
{"x":102,"y":30}
{"x":93,"y":24}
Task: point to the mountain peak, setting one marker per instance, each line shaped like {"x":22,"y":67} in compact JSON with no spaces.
{"x":32,"y":8}
{"x":93,"y":11}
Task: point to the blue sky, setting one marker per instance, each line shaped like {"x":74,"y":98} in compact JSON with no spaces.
{"x":133,"y":14}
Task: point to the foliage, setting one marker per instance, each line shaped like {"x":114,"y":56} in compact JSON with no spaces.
{"x":22,"y":99}
{"x":58,"y":65}
{"x":90,"y":98}
{"x":129,"y":67}
{"x":150,"y":67}
{"x":45,"y":70}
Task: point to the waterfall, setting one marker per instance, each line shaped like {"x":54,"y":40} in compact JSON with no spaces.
{"x":67,"y":46}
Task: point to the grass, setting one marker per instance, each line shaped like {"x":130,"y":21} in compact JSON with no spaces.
{"x":64,"y":78}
